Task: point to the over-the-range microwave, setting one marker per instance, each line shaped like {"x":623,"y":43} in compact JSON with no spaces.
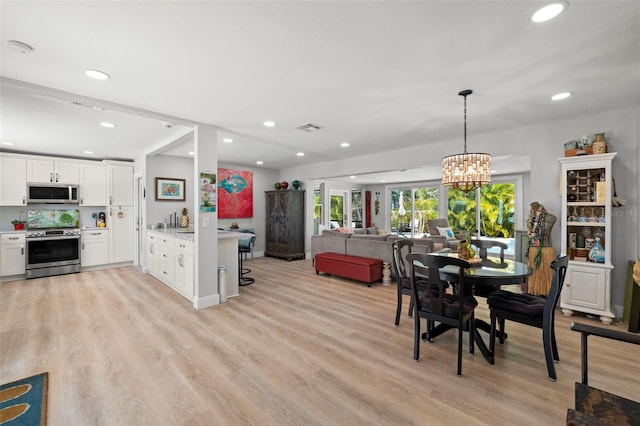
{"x":52,"y":193}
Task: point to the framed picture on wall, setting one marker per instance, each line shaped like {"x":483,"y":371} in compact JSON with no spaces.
{"x":170,"y":189}
{"x":235,"y":193}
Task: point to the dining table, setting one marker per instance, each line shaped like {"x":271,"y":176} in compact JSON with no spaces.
{"x":487,"y":272}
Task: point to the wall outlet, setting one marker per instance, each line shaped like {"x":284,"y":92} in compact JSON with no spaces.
{"x":205,"y":222}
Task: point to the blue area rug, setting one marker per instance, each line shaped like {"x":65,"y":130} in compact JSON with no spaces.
{"x":24,"y":402}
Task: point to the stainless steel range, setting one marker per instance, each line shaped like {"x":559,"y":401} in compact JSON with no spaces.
{"x":52,"y":252}
{"x":53,"y":243}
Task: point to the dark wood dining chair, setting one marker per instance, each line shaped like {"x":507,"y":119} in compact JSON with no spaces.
{"x":451,"y":311}
{"x":536,"y":311}
{"x":483,"y":246}
{"x":401,"y":248}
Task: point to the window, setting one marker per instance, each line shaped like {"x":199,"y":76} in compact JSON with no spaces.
{"x":337,"y":215}
{"x":356,"y":209}
{"x":317,"y":212}
{"x":497,"y":210}
{"x":411,"y":208}
{"x":489,"y":211}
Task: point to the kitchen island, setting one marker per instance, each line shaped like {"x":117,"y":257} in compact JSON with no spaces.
{"x":170,"y":258}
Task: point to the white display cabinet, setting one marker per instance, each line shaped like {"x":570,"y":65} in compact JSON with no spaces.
{"x":587,"y":190}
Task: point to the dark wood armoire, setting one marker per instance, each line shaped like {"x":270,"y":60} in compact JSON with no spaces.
{"x":285,"y":224}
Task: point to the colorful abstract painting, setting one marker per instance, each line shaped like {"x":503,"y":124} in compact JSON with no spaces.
{"x":235,"y":193}
{"x":208,"y":197}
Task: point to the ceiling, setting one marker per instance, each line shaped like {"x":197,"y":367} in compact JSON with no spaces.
{"x":378,"y":75}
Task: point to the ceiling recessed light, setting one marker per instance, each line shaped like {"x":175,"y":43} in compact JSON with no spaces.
{"x":97,"y":74}
{"x":383,"y":180}
{"x":352,"y":177}
{"x":344,"y":144}
{"x":19,"y":46}
{"x":107,"y":125}
{"x":191,"y":153}
{"x":8,"y":143}
{"x":549,"y":11}
{"x":259,"y":162}
{"x":300,"y":154}
{"x":561,"y":96}
{"x":88,"y":152}
{"x":227,"y":140}
{"x":270,"y":123}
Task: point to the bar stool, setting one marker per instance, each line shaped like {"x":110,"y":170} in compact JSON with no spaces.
{"x":245,"y":245}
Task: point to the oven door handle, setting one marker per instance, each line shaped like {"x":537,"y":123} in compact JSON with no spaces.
{"x":52,"y":238}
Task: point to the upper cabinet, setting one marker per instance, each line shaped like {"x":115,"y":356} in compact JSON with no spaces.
{"x":53,"y":171}
{"x":120,"y":185}
{"x":13,"y":181}
{"x":93,"y":185}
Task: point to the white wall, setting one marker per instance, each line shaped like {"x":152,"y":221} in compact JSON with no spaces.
{"x":168,"y":167}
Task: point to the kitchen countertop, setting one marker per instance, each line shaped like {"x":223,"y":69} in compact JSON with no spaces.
{"x":185,"y":234}
{"x":189,"y":234}
{"x":13,"y":231}
{"x":223,"y":235}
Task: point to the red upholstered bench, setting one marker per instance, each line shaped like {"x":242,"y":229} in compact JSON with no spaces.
{"x":358,"y":268}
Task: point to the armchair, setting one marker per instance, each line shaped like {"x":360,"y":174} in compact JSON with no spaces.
{"x":449,"y":241}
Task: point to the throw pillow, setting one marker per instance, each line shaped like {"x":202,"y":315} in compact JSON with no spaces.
{"x":446,"y":232}
{"x":344,"y":230}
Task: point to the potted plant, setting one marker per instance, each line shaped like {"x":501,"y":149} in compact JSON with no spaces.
{"x":18,"y":224}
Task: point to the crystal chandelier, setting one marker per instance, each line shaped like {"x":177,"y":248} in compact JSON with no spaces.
{"x":466,"y":171}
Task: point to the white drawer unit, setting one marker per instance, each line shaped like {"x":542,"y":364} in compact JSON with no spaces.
{"x":12,"y":254}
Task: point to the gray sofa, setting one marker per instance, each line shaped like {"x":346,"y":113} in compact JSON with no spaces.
{"x":368,"y":244}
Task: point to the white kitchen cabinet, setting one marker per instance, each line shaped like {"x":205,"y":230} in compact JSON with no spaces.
{"x":13,"y":181}
{"x":587,"y":190}
{"x":12,"y":254}
{"x":93,"y":185}
{"x":52,"y":171}
{"x":120,"y":184}
{"x":184,"y":267}
{"x":120,"y":223}
{"x":150,"y":253}
{"x":170,"y":259}
{"x":95,"y":247}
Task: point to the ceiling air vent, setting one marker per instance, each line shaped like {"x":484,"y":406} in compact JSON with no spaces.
{"x":93,"y":107}
{"x":309,"y":127}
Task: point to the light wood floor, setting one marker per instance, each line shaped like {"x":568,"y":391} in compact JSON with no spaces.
{"x":123,"y":349}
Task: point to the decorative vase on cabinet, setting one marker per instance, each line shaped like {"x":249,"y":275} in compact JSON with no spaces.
{"x":285,"y":224}
{"x":587,"y":286}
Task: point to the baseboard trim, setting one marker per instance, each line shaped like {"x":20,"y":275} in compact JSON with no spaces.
{"x":205,"y":302}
